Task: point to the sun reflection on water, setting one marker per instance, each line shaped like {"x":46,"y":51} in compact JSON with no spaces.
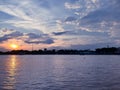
{"x":11,"y":67}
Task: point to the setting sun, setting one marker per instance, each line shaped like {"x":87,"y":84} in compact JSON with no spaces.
{"x":14,"y":46}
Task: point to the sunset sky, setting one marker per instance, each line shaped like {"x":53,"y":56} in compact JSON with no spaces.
{"x":70,"y":24}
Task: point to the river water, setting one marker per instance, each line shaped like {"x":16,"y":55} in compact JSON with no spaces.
{"x":59,"y":72}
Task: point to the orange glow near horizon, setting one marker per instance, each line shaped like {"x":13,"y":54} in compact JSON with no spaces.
{"x":14,"y":46}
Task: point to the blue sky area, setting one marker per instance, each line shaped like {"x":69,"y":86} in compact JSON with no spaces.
{"x":70,"y":24}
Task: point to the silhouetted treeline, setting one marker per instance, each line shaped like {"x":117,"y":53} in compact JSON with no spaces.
{"x":98,"y":51}
{"x":109,"y":50}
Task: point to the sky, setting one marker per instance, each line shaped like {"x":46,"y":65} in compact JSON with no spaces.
{"x":59,"y":24}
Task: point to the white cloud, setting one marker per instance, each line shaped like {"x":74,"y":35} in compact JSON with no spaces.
{"x":28,"y":16}
{"x":15,"y":11}
{"x":72,"y":6}
{"x":5,"y":31}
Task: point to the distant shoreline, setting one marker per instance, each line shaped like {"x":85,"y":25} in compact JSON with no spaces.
{"x":98,"y":51}
{"x":59,"y":54}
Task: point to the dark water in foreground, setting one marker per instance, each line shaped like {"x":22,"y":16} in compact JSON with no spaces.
{"x":59,"y":72}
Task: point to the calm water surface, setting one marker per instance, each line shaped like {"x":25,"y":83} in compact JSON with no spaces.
{"x":59,"y":72}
